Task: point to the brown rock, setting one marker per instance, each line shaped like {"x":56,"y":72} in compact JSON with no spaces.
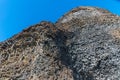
{"x":82,"y":45}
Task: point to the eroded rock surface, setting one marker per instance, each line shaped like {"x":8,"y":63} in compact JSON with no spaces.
{"x":84,"y":44}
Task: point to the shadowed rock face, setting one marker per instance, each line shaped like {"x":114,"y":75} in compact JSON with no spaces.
{"x":84,"y":44}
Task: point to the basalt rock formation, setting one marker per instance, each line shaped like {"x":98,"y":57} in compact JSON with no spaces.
{"x":84,"y":44}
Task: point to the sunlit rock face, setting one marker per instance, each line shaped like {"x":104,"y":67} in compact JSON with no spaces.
{"x":32,"y":55}
{"x":84,"y":44}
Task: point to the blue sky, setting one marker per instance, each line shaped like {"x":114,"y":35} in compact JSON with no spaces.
{"x":15,"y":15}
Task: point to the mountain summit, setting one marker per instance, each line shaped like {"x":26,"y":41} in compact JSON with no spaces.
{"x":84,"y":44}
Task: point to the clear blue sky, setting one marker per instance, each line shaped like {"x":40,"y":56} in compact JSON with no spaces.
{"x":15,"y":15}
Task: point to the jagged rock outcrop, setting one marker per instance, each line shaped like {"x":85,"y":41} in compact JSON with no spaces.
{"x":32,"y":55}
{"x":84,"y":44}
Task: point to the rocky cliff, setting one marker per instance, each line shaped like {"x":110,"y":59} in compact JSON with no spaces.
{"x":84,"y":44}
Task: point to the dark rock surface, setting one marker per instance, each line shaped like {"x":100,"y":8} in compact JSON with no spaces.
{"x":84,"y":44}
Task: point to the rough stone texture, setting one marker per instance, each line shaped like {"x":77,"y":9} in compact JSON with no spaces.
{"x":32,"y":55}
{"x":84,"y":44}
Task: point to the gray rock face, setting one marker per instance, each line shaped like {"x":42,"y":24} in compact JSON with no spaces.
{"x":94,"y":48}
{"x":84,"y":44}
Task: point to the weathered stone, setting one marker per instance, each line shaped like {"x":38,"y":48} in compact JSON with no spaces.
{"x":94,"y":48}
{"x":84,"y":44}
{"x":32,"y":55}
